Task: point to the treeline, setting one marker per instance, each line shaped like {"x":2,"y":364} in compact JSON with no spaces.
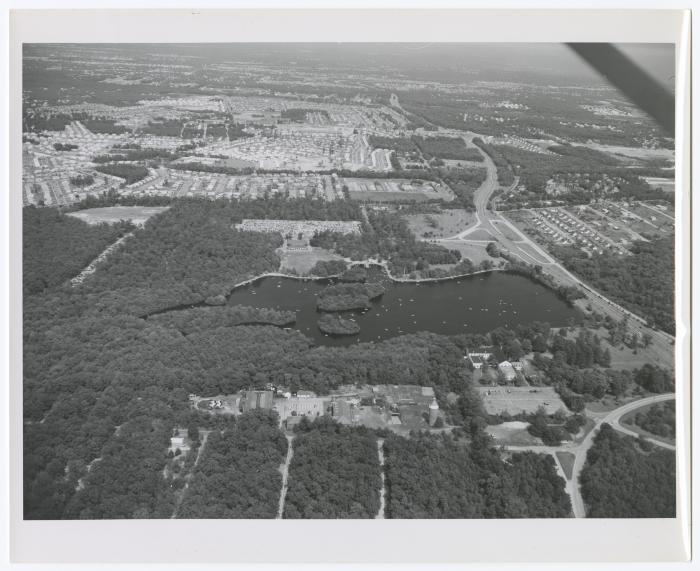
{"x":324,"y":268}
{"x":130,"y":173}
{"x":414,"y":174}
{"x":64,"y":146}
{"x":334,"y":472}
{"x":434,"y":477}
{"x":660,"y":419}
{"x":504,"y":171}
{"x":56,"y":247}
{"x":163,"y":127}
{"x":82,"y":180}
{"x":100,"y":124}
{"x":135,"y":155}
{"x":238,"y":473}
{"x":112,"y":197}
{"x":643,"y":283}
{"x":620,"y":480}
{"x":37,"y":122}
{"x":401,"y":144}
{"x":199,"y":319}
{"x":446,"y":148}
{"x":298,"y":115}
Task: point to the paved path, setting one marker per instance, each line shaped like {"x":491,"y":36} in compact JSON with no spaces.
{"x":580,"y":450}
{"x":382,"y":491}
{"x":285,"y":476}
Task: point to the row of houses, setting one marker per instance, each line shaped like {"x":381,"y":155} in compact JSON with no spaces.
{"x":509,"y":369}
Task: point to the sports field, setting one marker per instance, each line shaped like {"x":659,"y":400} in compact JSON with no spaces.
{"x":113,"y":214}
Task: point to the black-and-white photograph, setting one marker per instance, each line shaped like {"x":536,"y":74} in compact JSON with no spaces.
{"x":349,"y":281}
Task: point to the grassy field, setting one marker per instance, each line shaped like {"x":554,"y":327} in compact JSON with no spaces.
{"x":475,"y":252}
{"x":505,"y":230}
{"x":531,"y":252}
{"x":443,"y":225}
{"x":480,"y":235}
{"x":566,"y":459}
{"x":512,"y":434}
{"x":371,"y":196}
{"x":302,"y":262}
{"x":113,"y":214}
{"x":515,"y":400}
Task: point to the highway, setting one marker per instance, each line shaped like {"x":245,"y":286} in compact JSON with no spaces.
{"x":580,"y":449}
{"x":534,"y":254}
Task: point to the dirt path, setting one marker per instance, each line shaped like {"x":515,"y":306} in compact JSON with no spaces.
{"x":285,"y":475}
{"x":382,"y":491}
{"x":188,"y":478}
{"x":90,"y":269}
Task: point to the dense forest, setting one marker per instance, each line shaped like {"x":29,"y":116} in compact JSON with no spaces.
{"x":642,"y":283}
{"x":435,"y":477}
{"x":196,"y":320}
{"x":334,"y":472}
{"x":347,"y":296}
{"x":660,"y":419}
{"x":238,"y":473}
{"x":57,"y":247}
{"x":104,"y":387}
{"x":335,"y":325}
{"x":192,"y":250}
{"x":130,"y":173}
{"x":622,"y":480}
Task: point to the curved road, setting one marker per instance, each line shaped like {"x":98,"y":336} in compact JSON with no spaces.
{"x":489,"y":221}
{"x":580,"y":450}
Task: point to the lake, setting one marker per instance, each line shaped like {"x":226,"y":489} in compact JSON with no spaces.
{"x":473,"y":304}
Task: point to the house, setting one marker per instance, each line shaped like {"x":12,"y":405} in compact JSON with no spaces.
{"x":517,"y":365}
{"x":178,"y":441}
{"x":507,"y":369}
{"x":478,"y":359}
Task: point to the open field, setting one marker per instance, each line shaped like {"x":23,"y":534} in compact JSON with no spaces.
{"x":503,"y":229}
{"x":303,"y":261}
{"x":515,"y":400}
{"x":446,"y":223}
{"x":113,"y":214}
{"x":481,"y":235}
{"x":632,"y":152}
{"x":475,"y":252}
{"x":566,"y":459}
{"x":372,"y":196}
{"x":512,"y":434}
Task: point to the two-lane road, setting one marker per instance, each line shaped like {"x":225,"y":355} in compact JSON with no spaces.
{"x":580,"y":450}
